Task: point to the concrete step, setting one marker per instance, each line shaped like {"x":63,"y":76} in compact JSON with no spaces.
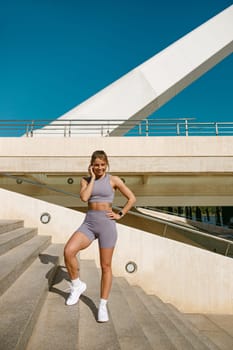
{"x":129,"y":331}
{"x":17,"y":260}
{"x":21,"y":303}
{"x":184,"y":320}
{"x":151,"y":327}
{"x":218,"y":328}
{"x":9,"y":225}
{"x":137,"y":320}
{"x":12,"y":239}
{"x":78,"y":324}
{"x":198,"y":341}
{"x":73,"y":327}
{"x":175,"y":334}
{"x":175,"y":324}
{"x":57,"y":324}
{"x":160,"y":316}
{"x":94,"y":335}
{"x":121,"y":332}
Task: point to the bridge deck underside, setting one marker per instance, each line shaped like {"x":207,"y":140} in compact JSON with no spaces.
{"x":162,"y":171}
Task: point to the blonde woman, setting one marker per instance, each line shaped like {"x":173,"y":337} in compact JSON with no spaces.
{"x":100,"y":223}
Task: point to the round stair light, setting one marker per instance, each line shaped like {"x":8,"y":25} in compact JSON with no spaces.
{"x":19,"y":181}
{"x":131,"y":267}
{"x":70,"y":180}
{"x":45,"y":218}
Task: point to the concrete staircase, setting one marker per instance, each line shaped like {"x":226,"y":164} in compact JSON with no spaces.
{"x":28,"y":263}
{"x":35,"y":318}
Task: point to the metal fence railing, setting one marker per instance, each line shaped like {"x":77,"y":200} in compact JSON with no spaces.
{"x":103,"y":127}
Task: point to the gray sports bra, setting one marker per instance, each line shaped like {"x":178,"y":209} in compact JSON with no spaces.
{"x":102,"y":190}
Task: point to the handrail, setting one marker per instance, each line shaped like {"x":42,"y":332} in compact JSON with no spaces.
{"x":177,"y":225}
{"x":162,"y":221}
{"x":176,"y":214}
{"x":103,"y":127}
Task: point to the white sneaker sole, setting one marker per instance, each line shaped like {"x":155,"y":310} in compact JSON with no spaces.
{"x":103,"y":318}
{"x":82,"y":290}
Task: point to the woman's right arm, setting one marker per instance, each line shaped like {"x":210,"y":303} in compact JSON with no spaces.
{"x":86,"y":189}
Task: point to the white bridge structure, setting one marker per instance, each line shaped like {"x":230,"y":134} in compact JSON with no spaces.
{"x":149,"y":86}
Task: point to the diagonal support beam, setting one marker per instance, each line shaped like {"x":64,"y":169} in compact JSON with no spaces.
{"x":149,"y":86}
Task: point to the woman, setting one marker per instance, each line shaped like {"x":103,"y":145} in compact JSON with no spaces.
{"x":100,"y":223}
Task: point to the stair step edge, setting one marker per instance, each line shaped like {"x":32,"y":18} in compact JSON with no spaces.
{"x":173,"y":330}
{"x":16,"y":261}
{"x":12,"y":239}
{"x":8,"y":225}
{"x":189,"y":324}
{"x":17,"y":304}
{"x":198,"y":339}
{"x":129,"y":332}
{"x":152,"y":328}
{"x":89,"y":329}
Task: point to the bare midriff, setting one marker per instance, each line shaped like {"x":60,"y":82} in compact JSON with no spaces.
{"x":99,"y":206}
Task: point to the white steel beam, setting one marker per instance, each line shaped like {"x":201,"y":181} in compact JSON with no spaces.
{"x":150,"y":85}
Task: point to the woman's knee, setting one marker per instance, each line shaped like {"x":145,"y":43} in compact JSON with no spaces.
{"x":69,"y":251}
{"x":106,"y":267}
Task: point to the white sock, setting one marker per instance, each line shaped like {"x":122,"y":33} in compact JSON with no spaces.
{"x":103,"y":302}
{"x":76,"y":282}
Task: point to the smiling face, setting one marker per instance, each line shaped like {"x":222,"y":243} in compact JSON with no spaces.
{"x":99,"y":163}
{"x":99,"y":167}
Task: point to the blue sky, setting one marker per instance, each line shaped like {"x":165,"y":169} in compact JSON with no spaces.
{"x":56,"y":54}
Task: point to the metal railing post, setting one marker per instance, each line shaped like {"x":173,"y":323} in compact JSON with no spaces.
{"x":27,"y":130}
{"x":70,"y":129}
{"x":140,"y":129}
{"x":216,"y":129}
{"x":147,"y":127}
{"x":32,"y":127}
{"x":108,"y":128}
{"x":186,"y":128}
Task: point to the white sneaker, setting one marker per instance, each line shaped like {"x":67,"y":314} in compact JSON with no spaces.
{"x":103,"y":313}
{"x":75,"y":293}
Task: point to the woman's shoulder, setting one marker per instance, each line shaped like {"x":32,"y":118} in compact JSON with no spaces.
{"x":86,"y":179}
{"x":115,"y":179}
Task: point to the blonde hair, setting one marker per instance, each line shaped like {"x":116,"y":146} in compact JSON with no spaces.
{"x":101,"y":155}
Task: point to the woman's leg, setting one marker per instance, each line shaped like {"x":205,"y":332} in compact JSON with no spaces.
{"x":106,"y":268}
{"x":106,"y":282}
{"x":77,"y":242}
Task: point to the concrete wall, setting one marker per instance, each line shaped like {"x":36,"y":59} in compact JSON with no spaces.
{"x":192,"y":279}
{"x":161,"y":171}
{"x":132,"y":155}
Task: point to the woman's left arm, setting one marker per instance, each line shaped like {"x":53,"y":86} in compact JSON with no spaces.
{"x":118,"y":184}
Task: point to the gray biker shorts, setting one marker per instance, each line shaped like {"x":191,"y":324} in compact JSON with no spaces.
{"x":97,"y":225}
